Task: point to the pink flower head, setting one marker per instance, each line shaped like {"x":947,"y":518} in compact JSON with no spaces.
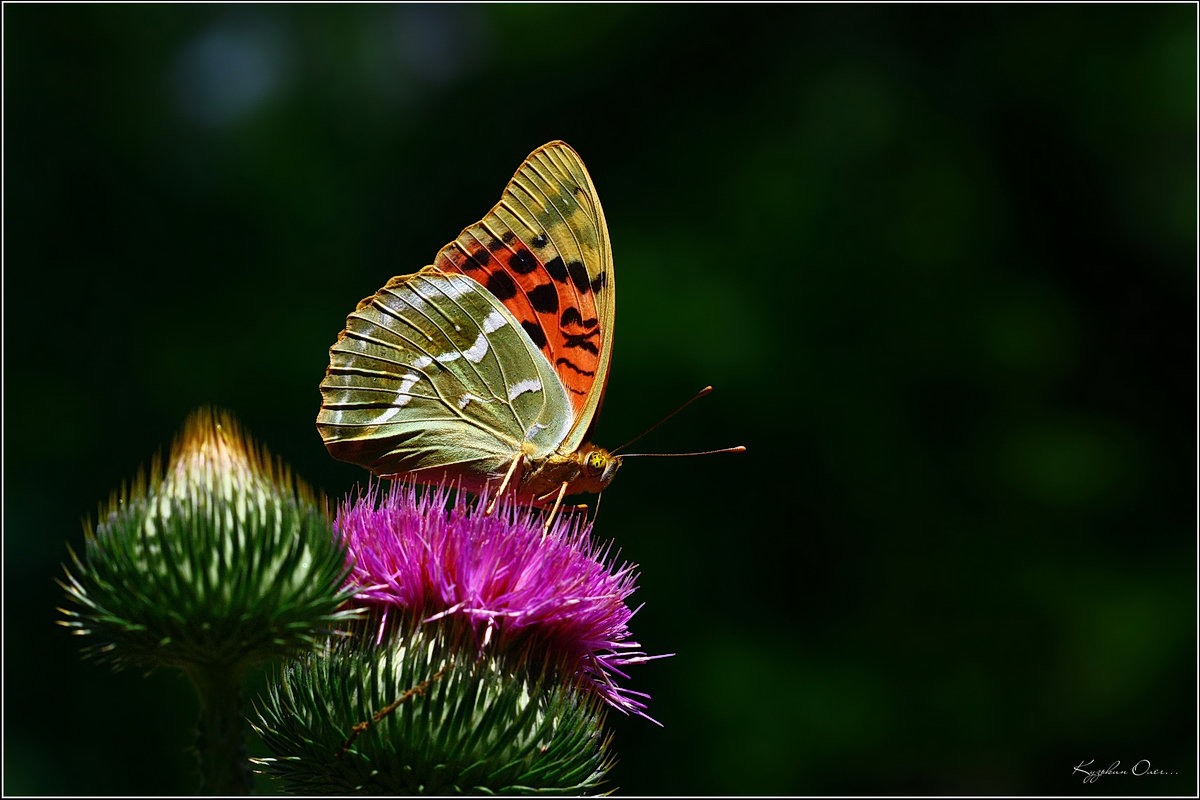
{"x":549,"y":594}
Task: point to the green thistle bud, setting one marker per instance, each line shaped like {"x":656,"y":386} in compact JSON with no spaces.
{"x":221,"y":559}
{"x":216,"y":562}
{"x":420,"y":714}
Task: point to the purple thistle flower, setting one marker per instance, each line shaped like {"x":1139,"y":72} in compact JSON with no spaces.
{"x":551,"y":594}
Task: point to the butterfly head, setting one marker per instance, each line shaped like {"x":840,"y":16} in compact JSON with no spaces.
{"x":599,"y":468}
{"x":587,"y":470}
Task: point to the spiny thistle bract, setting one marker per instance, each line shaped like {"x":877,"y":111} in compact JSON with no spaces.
{"x":221,"y":559}
{"x":417,"y":713}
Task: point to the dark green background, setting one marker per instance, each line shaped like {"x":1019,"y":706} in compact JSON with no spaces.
{"x":939,"y":263}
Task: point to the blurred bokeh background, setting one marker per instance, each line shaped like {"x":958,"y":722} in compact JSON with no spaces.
{"x":940,"y":264}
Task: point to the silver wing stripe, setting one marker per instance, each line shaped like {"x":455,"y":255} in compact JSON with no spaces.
{"x":478,"y":350}
{"x":493,"y":322}
{"x":463,"y":286}
{"x":520,"y":388}
{"x":466,"y":399}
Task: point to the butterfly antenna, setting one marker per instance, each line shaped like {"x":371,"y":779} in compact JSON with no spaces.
{"x":697,"y":396}
{"x":739,"y":449}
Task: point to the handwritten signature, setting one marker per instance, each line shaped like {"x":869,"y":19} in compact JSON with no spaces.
{"x":1139,"y":769}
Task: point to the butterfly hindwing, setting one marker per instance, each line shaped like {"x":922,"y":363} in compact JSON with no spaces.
{"x":433,"y":374}
{"x":543,"y":251}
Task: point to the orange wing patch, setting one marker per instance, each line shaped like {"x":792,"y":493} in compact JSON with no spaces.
{"x":539,"y":251}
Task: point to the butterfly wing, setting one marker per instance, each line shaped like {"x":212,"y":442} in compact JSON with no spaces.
{"x":543,"y":251}
{"x":434,"y":375}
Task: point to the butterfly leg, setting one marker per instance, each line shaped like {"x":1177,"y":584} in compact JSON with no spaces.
{"x":504,"y":483}
{"x":562,"y":491}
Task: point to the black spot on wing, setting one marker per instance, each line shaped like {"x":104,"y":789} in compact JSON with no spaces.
{"x":540,"y":240}
{"x":508,"y":237}
{"x":599,"y":282}
{"x":581,"y":341}
{"x":501,"y":285}
{"x":568,"y":362}
{"x":535,"y":333}
{"x":579,"y":276}
{"x":557,"y":269}
{"x":522,"y":262}
{"x":544,"y":299}
{"x":474,"y":261}
{"x":572,"y":317}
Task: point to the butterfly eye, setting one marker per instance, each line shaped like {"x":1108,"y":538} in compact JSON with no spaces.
{"x":597,"y":460}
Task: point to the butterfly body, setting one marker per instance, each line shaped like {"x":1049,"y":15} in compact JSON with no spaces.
{"x":491,"y":362}
{"x":587,"y":470}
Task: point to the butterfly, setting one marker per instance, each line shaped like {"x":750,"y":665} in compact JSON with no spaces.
{"x":491,"y":363}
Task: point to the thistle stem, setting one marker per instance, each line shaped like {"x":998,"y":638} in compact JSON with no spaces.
{"x":220,"y":730}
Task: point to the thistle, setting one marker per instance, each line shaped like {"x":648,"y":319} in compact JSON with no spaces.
{"x":414,"y":714}
{"x":548,"y":595}
{"x":491,"y":650}
{"x":217,"y":561}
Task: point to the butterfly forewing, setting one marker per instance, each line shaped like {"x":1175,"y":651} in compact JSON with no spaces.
{"x":543,"y":251}
{"x":433,"y":374}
